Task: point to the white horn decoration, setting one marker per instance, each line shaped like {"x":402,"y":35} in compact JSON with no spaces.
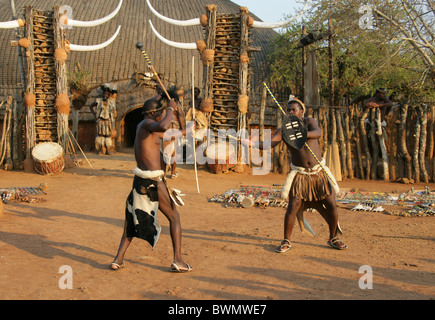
{"x":10,"y":24}
{"x":191,"y":22}
{"x":78,"y":23}
{"x":76,"y":47}
{"x":273,"y":25}
{"x":180,"y":45}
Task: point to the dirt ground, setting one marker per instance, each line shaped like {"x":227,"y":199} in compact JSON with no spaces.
{"x":232,"y":249}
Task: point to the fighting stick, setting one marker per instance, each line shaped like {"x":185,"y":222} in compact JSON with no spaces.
{"x":309,"y":149}
{"x":139,"y":45}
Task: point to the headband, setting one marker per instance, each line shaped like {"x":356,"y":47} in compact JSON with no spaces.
{"x":293,"y":99}
{"x":158,"y":109}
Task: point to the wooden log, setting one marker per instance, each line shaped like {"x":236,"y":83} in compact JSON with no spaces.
{"x":363,"y":130}
{"x":374,"y":144}
{"x":30,"y":89}
{"x":415,"y":154}
{"x":393,"y":145}
{"x":354,"y":116}
{"x":276,"y":150}
{"x":261,"y":115}
{"x":423,"y":137}
{"x":431,"y":141}
{"x":349,"y":137}
{"x":382,"y":146}
{"x":342,"y":142}
{"x":333,"y":153}
{"x":403,"y":150}
{"x":61,"y":82}
{"x":210,"y":40}
{"x":324,"y":122}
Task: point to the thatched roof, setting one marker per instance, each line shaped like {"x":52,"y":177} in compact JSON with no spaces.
{"x":119,"y":61}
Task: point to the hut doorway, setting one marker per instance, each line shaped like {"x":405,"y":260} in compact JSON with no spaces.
{"x":131,"y":120}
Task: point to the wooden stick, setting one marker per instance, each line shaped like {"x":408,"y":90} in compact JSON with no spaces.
{"x":193,"y":116}
{"x":80,"y":148}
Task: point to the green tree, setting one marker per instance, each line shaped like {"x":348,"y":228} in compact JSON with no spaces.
{"x":375,"y":44}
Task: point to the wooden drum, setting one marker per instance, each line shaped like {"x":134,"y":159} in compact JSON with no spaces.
{"x":220,"y":157}
{"x":48,"y":157}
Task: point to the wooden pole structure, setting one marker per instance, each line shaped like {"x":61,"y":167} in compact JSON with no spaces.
{"x":243,"y":74}
{"x":29,"y":95}
{"x":210,"y":44}
{"x":63,"y":104}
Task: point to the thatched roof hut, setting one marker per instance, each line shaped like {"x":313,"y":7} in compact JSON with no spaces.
{"x":120,"y":62}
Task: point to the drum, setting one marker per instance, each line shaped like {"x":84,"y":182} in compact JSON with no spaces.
{"x":220,"y":157}
{"x":48,"y":158}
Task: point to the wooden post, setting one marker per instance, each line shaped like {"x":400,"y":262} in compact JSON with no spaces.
{"x":354,"y":116}
{"x":17,"y":111}
{"x":365,"y":141}
{"x":210,"y":40}
{"x":261,"y":119}
{"x":431,"y":140}
{"x":62,"y":105}
{"x":349,"y":138}
{"x":343,"y":153}
{"x":423,"y":138}
{"x":277,"y":149}
{"x":304,"y":61}
{"x":243,"y":68}
{"x":331,"y":66}
{"x":393,"y":146}
{"x":382,"y":145}
{"x":324,"y":120}
{"x":403,"y":150}
{"x":30,"y":92}
{"x":415,"y":154}
{"x":374,"y":143}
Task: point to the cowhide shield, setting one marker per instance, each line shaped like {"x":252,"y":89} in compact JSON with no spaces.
{"x":293,"y":131}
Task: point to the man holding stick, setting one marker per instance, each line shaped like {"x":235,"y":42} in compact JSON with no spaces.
{"x":310,"y":184}
{"x":150,"y":192}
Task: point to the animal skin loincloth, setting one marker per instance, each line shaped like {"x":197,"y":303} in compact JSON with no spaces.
{"x":311,"y":184}
{"x":142,"y":206}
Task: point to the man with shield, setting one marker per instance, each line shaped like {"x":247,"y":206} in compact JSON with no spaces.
{"x":310,"y":183}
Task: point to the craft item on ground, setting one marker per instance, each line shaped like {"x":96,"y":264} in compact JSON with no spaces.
{"x":247,"y":196}
{"x":411,"y":203}
{"x":25,"y":194}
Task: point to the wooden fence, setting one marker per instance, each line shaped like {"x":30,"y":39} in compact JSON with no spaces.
{"x":399,"y":147}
